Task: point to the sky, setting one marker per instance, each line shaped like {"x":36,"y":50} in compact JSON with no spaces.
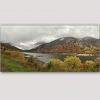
{"x":27,"y":36}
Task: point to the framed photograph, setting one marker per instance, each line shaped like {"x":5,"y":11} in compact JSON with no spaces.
{"x":50,"y":48}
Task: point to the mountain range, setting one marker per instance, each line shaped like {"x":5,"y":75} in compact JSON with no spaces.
{"x":67,"y":44}
{"x":62,"y":45}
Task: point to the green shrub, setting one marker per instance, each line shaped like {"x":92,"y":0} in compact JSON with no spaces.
{"x":49,"y":65}
{"x":17,"y":55}
{"x":32,"y":61}
{"x":55,"y":65}
{"x":7,"y":52}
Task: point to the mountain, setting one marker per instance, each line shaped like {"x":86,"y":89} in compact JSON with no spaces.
{"x":89,"y":38}
{"x":9,"y":46}
{"x":91,"y":41}
{"x":39,"y":43}
{"x":68,"y":44}
{"x":35,"y":45}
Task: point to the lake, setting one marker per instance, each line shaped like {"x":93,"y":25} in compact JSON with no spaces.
{"x":45,"y":57}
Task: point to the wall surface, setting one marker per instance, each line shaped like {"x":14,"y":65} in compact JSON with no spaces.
{"x":49,"y":86}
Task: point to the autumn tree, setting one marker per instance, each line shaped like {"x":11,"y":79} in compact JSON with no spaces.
{"x":56,"y":62}
{"x":97,"y":61}
{"x":87,"y":50}
{"x":90,"y":65}
{"x":72,"y":62}
{"x":56,"y":65}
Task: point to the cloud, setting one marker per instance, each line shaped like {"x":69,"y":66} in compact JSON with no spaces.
{"x":26,"y":36}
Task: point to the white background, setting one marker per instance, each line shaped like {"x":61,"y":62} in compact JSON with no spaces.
{"x":49,"y":86}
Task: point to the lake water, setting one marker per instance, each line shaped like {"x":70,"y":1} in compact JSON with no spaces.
{"x":45,"y":57}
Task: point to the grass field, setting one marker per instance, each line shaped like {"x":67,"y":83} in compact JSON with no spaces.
{"x":11,"y":65}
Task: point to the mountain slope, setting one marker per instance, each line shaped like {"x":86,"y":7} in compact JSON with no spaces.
{"x":9,"y":46}
{"x":68,"y":44}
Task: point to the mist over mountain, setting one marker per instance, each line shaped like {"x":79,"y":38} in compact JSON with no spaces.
{"x":31,"y":36}
{"x":61,"y":45}
{"x":9,"y":46}
{"x":67,"y":44}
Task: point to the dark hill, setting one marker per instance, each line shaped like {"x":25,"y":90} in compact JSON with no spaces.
{"x":67,"y":44}
{"x":9,"y":46}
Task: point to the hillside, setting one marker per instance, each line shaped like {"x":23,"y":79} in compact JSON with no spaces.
{"x":9,"y":46}
{"x":69,"y":44}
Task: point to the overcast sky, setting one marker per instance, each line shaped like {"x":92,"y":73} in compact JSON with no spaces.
{"x":26,"y":37}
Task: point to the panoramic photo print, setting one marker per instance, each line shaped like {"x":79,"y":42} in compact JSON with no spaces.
{"x":50,"y":48}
